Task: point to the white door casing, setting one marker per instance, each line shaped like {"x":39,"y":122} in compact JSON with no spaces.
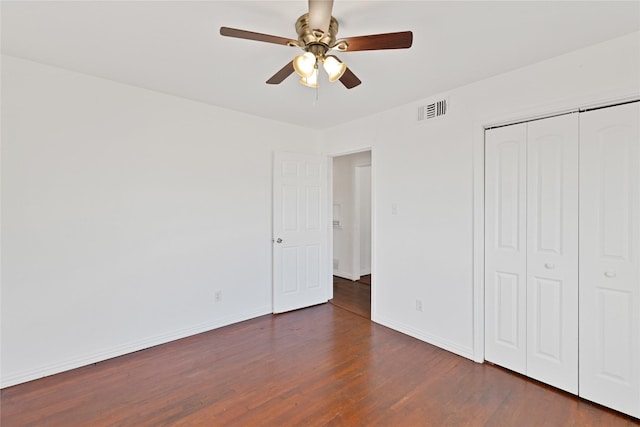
{"x":610,"y":257}
{"x":300,"y":224}
{"x":552,"y":251}
{"x":362,"y":235}
{"x":505,"y":247}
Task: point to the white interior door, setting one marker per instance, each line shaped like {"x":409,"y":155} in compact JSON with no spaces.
{"x":505,"y":247}
{"x":300,"y":269}
{"x":610,"y":257}
{"x":552,"y":251}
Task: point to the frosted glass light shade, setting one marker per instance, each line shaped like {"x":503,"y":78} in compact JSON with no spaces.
{"x":304,"y":64}
{"x":334,"y":68}
{"x":312,"y":80}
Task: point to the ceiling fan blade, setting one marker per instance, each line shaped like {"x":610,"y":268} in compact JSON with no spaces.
{"x":401,"y":40}
{"x":284,"y":72}
{"x":349,"y":80}
{"x":320,"y":14}
{"x":250,"y":35}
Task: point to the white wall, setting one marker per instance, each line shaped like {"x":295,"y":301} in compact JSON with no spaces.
{"x":431,"y":250}
{"x":346,"y":239}
{"x":124,"y":210}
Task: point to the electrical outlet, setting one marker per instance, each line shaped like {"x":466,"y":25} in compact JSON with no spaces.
{"x":217,"y":296}
{"x":418,"y":305}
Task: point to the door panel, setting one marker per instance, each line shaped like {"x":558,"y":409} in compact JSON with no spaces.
{"x":610,"y":257}
{"x":314,"y":258}
{"x":289,"y":208}
{"x":313,"y":208}
{"x":552,"y":251}
{"x":615,"y":334}
{"x":507,"y":297}
{"x":547,"y":308}
{"x":290,"y":283}
{"x":505,"y":248}
{"x":300,"y":231}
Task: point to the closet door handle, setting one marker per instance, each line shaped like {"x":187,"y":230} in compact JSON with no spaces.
{"x":549,"y":266}
{"x":610,"y":274}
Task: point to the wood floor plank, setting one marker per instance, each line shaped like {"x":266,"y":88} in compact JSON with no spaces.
{"x":314,"y":367}
{"x":352,"y":296}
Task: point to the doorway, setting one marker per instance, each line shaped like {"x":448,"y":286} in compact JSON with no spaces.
{"x":352,"y":232}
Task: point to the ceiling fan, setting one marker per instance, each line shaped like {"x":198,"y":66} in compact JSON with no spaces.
{"x":317,"y":31}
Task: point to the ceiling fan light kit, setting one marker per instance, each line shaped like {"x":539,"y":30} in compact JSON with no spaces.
{"x":305,"y":64}
{"x":334,"y":68}
{"x":311,"y":80}
{"x":317,"y":31}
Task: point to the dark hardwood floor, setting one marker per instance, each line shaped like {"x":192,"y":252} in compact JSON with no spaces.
{"x":353,"y":296}
{"x":319,"y":366}
{"x":365,"y":279}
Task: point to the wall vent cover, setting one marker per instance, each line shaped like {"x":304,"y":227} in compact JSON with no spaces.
{"x":432,"y":110}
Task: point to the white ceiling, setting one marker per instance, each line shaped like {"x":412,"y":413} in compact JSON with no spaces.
{"x":175,"y":47}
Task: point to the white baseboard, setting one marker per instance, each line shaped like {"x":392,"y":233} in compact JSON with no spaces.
{"x":87,"y":359}
{"x":348,"y":276}
{"x":466,"y":352}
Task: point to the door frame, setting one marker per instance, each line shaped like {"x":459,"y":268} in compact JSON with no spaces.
{"x":357,"y":249}
{"x":481,"y":124}
{"x":331,"y":156}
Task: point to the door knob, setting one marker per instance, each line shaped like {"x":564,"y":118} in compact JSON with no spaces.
{"x":610,"y":274}
{"x":279,"y":240}
{"x":549,"y":266}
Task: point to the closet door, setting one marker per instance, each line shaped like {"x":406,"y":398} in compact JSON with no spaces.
{"x":552,"y":251}
{"x":505,"y":247}
{"x":610,"y":257}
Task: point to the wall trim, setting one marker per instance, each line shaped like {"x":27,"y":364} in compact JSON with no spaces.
{"x":120,"y":350}
{"x":347,"y":276}
{"x":466,"y":352}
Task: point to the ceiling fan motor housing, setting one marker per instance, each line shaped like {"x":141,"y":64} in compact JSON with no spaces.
{"x":316,"y":41}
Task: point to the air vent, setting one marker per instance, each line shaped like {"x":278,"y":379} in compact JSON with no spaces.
{"x":432,"y":110}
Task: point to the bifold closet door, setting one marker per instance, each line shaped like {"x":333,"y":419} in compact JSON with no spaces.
{"x":531,"y":249}
{"x":506,"y":247}
{"x":552,"y":251}
{"x":610,"y":257}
